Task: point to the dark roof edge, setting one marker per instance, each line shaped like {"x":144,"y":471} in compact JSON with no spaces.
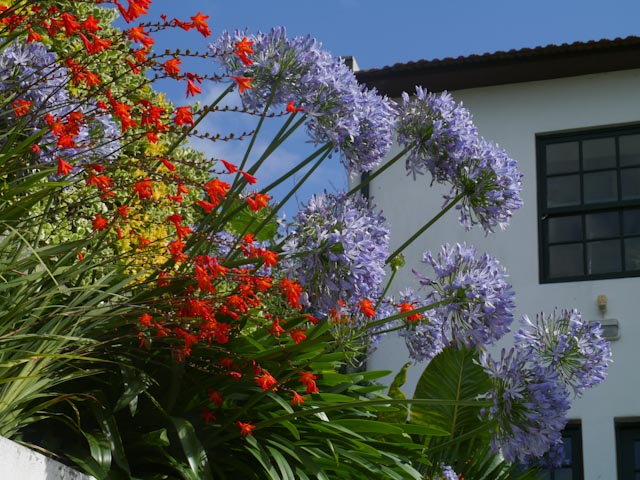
{"x":499,"y":68}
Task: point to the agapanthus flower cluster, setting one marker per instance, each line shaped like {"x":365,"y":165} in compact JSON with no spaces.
{"x":31,"y":75}
{"x":571,"y":347}
{"x":423,"y":335}
{"x":529,"y":406}
{"x":337,"y":250}
{"x":446,"y":473}
{"x":475,"y":301}
{"x":443,"y":140}
{"x":355,"y":120}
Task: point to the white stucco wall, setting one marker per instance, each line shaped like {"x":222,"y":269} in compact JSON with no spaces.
{"x":20,"y":463}
{"x":512,"y":115}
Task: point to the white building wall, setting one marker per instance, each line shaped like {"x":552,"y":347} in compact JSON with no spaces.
{"x":512,"y":115}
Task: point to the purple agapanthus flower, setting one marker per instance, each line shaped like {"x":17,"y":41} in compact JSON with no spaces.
{"x":568,"y":345}
{"x":355,"y":120}
{"x":336,"y":248}
{"x":476,"y":300}
{"x":30,"y":72}
{"x":442,"y":139}
{"x":529,"y":408}
{"x":446,"y":473}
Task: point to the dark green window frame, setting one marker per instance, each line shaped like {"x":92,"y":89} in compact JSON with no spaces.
{"x":589,"y":204}
{"x":628,"y":449}
{"x":572,"y":465}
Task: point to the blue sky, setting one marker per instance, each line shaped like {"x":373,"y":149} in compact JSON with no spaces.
{"x":380,"y":33}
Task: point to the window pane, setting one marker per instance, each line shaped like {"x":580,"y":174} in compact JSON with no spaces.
{"x":629,"y":150}
{"x":636,"y":454}
{"x":566,"y":260}
{"x":602,"y":225}
{"x":564,"y":474}
{"x":563,"y":191}
{"x":565,"y":229}
{"x":562,"y":158}
{"x":630,"y":183}
{"x":600,"y":187}
{"x":632,"y":254}
{"x":599,"y":153}
{"x":604,"y":257}
{"x":631,"y":219}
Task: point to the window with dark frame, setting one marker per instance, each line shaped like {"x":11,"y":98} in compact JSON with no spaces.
{"x":589,"y":204}
{"x":628,"y":450}
{"x":572,"y":467}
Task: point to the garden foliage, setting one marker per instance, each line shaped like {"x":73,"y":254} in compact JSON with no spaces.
{"x":158,"y":319}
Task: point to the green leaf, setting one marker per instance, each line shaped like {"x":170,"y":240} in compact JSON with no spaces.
{"x":193,"y":449}
{"x":369,"y":426}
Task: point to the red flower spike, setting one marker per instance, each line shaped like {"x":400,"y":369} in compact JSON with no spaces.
{"x":192,"y":88}
{"x":276,"y":329}
{"x":291,"y":107}
{"x":80,"y":256}
{"x":64,"y":168}
{"x":292,"y":292}
{"x":251,"y":180}
{"x":183,"y":116}
{"x":308,"y":380}
{"x":366,"y":307}
{"x":231,"y":168}
{"x":99,"y":223}
{"x":206,"y":206}
{"x":266,"y":381}
{"x":298,"y":334}
{"x":207,"y":415}
{"x":20,"y":107}
{"x":244,"y":83}
{"x":170,"y":166}
{"x":200,"y":24}
{"x":144,"y":188}
{"x":172,"y":66}
{"x":215,"y":397}
{"x":311,"y":318}
{"x":407,"y":307}
{"x":297,"y":399}
{"x":245,"y":428}
{"x":145,"y":320}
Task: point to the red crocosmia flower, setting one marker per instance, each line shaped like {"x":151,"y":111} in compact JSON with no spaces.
{"x":192,"y":88}
{"x":91,"y":79}
{"x":291,"y":291}
{"x":291,"y":107}
{"x":207,"y":415}
{"x":269,"y":257}
{"x":172,"y":66}
{"x":244,"y":83}
{"x":64,"y":168}
{"x":200,"y":24}
{"x":182,"y":231}
{"x":99,"y":223}
{"x":35,"y":148}
{"x":163,"y":280}
{"x":70,"y":24}
{"x":207,"y":206}
{"x":245,"y":428}
{"x":243,"y":49}
{"x":276,"y":329}
{"x":366,"y":307}
{"x":20,"y":107}
{"x":144,"y":188}
{"x":170,"y":166}
{"x":80,"y":256}
{"x":145,"y":320}
{"x":311,"y":318}
{"x":91,"y":24}
{"x":215,"y":397}
{"x":138,"y":35}
{"x":407,"y":307}
{"x":33,"y":36}
{"x":183,"y":116}
{"x":176,"y":218}
{"x":258,"y":201}
{"x":266,"y":381}
{"x":143,"y":242}
{"x":298,"y":334}
{"x":297,"y":399}
{"x":118,"y":232}
{"x":309,"y":380}
{"x":175,"y":248}
{"x":249,"y":178}
{"x":182,"y":190}
{"x":123,"y":211}
{"x":134,"y":68}
{"x":231,"y":168}
{"x":216,"y":189}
